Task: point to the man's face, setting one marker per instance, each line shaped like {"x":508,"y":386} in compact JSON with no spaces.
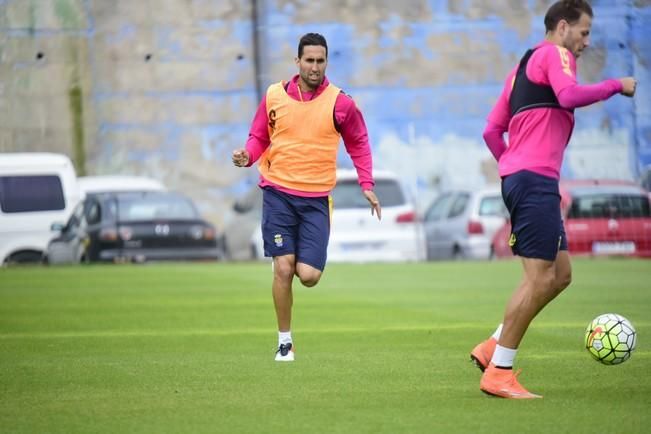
{"x":576,"y":37}
{"x":312,"y":65}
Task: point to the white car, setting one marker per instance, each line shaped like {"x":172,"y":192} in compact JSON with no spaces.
{"x":117,"y":183}
{"x":460,"y":224}
{"x":358,"y":236}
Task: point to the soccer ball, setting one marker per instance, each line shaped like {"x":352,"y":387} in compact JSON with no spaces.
{"x":610,"y":339}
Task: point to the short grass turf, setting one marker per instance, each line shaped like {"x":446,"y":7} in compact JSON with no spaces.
{"x":188,"y":348}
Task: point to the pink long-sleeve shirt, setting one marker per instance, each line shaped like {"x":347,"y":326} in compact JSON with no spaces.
{"x":349,"y":121}
{"x":538,"y":137}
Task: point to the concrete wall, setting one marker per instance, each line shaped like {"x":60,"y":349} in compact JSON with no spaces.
{"x":167,"y":88}
{"x":45,"y":78}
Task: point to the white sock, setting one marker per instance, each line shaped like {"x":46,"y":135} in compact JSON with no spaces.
{"x":498,"y":332}
{"x":284,"y":338}
{"x":503,"y":357}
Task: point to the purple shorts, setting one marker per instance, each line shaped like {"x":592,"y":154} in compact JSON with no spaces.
{"x":296,"y":225}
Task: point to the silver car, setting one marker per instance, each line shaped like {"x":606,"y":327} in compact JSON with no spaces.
{"x":242,"y":227}
{"x":460,"y":224}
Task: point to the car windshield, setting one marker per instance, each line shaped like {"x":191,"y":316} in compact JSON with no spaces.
{"x":610,"y":206}
{"x":154,"y":207}
{"x":347,"y":194}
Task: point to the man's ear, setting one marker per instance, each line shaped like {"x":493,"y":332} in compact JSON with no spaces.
{"x":563,"y":27}
{"x":297,"y":61}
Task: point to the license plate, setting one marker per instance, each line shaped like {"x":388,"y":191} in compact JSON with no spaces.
{"x":613,"y":248}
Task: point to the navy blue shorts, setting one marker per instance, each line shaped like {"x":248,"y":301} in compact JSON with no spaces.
{"x":534,"y":203}
{"x":296,"y":225}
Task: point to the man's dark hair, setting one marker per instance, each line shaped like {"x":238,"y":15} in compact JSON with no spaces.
{"x":312,"y":39}
{"x":568,"y":10}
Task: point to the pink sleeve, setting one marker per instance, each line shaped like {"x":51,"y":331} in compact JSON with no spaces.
{"x":353,"y":130}
{"x":258,"y":140}
{"x":556,"y":66}
{"x":580,"y":96}
{"x":494,"y":138}
{"x":498,"y":120}
{"x":501,"y":112}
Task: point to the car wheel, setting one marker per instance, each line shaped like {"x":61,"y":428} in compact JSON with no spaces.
{"x":26,"y":257}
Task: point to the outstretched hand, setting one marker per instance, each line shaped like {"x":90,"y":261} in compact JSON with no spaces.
{"x":241,"y":157}
{"x":375,"y":203}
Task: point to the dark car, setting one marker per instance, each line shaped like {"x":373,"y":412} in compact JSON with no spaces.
{"x":602,"y":217}
{"x":134,"y":226}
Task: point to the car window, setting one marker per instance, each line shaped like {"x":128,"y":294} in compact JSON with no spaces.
{"x":347,"y":194}
{"x":459,"y":205}
{"x":75,"y":218}
{"x":610,"y":206}
{"x":93,"y":213}
{"x":151,"y":207}
{"x":31,"y":193}
{"x":492,"y":206}
{"x":439,"y":208}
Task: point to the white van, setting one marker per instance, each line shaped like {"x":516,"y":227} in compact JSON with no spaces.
{"x":36,"y":189}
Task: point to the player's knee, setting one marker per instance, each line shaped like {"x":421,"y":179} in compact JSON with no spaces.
{"x":563,"y":281}
{"x":545,"y":282}
{"x":310,"y":281}
{"x":308,"y":275}
{"x":284,"y":270}
{"x":309,"y":278}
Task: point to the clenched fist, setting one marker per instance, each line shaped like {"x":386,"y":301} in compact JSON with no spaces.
{"x":628,"y":86}
{"x":240,"y":157}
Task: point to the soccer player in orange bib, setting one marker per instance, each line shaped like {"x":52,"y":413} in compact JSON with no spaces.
{"x":536,"y":107}
{"x":295,"y":136}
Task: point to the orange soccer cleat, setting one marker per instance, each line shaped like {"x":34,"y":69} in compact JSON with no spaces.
{"x":504,"y":383}
{"x":482,"y":354}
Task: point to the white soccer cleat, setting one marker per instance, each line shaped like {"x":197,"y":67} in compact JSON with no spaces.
{"x":285,"y":353}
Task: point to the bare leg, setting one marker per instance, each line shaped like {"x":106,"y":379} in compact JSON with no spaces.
{"x":284,"y":269}
{"x":563,"y":271}
{"x":308,"y":274}
{"x":543,"y":281}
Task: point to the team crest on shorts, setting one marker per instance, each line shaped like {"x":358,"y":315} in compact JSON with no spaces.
{"x":278,"y":239}
{"x":512,"y":240}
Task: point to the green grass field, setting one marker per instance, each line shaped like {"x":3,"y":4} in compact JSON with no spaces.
{"x":188,"y":348}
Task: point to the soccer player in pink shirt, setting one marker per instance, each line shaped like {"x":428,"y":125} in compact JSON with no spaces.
{"x":295,"y":136}
{"x":536,"y":108}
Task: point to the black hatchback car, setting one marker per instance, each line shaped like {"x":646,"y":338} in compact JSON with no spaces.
{"x":135,"y":227}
